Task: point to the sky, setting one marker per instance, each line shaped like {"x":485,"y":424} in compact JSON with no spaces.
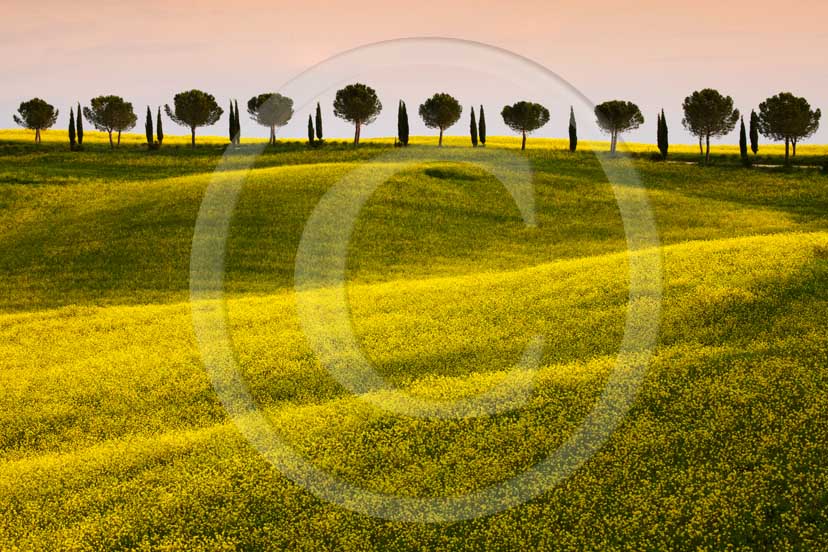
{"x":653,"y":53}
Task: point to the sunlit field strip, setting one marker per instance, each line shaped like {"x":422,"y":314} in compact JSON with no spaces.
{"x":512,"y":142}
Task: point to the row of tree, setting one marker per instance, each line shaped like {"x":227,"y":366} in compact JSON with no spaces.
{"x":708,"y":114}
{"x":114,"y":115}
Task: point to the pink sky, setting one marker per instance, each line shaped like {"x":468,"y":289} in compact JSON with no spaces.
{"x":651,"y":52}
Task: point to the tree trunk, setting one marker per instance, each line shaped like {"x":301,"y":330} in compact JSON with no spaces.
{"x":111,"y":145}
{"x":192,"y":137}
{"x":613,"y":141}
{"x":119,"y":137}
{"x":37,"y":136}
{"x":707,"y":152}
{"x":523,"y":145}
{"x":787,"y":151}
{"x":356,"y":133}
{"x":272,"y":140}
{"x":440,"y":142}
{"x":794,"y":147}
{"x":701,"y":147}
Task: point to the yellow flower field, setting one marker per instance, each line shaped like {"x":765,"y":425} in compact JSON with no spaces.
{"x":114,"y":438}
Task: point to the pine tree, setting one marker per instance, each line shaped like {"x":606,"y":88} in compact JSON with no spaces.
{"x":237,"y":132}
{"x":79,"y":123}
{"x":148,"y":128}
{"x":111,"y":114}
{"x":159,"y":129}
{"x":663,"y":135}
{"x":473,"y":129}
{"x":573,"y":131}
{"x":232,"y":124}
{"x":743,"y":143}
{"x":71,"y":130}
{"x":481,"y":127}
{"x":754,"y":132}
{"x":310,"y":130}
{"x":318,"y":122}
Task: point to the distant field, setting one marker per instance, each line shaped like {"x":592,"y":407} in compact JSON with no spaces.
{"x":111,"y":436}
{"x":770,"y":153}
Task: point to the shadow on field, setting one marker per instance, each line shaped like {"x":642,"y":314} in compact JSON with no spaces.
{"x":53,"y":164}
{"x":765,"y":312}
{"x":802,"y":194}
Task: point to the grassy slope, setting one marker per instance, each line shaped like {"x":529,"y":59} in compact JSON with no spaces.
{"x":115,"y":227}
{"x":112,"y":437}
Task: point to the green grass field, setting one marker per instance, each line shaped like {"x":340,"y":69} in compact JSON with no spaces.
{"x":111,"y":436}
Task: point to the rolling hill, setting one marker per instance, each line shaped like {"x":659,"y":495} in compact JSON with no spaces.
{"x":114,"y":438}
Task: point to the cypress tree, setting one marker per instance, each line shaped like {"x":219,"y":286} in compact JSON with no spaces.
{"x":400,"y":132}
{"x":754,"y":132}
{"x":310,"y":130}
{"x":238,"y":124}
{"x":573,"y":131}
{"x":659,"y":141}
{"x":663,"y":135}
{"x":481,"y":127}
{"x":148,"y":128}
{"x":71,"y":130}
{"x":159,"y":129}
{"x":232,"y":125}
{"x":80,"y":126}
{"x":743,"y":143}
{"x":405,"y":122}
{"x":473,"y":129}
{"x":318,"y":122}
{"x":402,"y":123}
